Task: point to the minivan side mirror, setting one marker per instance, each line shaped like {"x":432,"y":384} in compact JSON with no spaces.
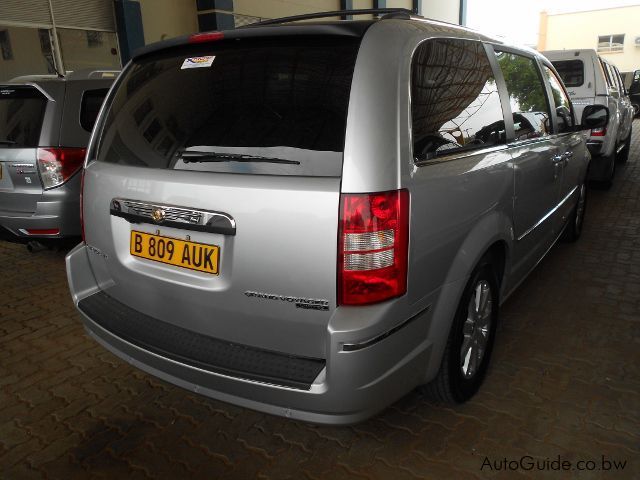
{"x":594,"y":116}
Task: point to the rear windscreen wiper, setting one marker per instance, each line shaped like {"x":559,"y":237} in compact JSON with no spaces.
{"x":197,"y":156}
{"x":7,"y":142}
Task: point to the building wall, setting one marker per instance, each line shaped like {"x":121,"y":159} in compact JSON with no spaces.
{"x":581,"y":30}
{"x":447,"y":11}
{"x":280,"y":8}
{"x":163,"y":19}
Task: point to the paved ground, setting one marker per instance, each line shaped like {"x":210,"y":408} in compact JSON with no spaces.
{"x":565,"y":382}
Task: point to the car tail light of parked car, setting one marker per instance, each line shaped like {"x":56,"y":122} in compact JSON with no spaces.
{"x":599,"y":132}
{"x":373,"y":240}
{"x":57,"y":165}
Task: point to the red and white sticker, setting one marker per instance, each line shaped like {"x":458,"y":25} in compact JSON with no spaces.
{"x":197,"y":62}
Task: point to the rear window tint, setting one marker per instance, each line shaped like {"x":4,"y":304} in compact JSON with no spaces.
{"x":90,"y":106}
{"x":571,"y":72}
{"x":235,"y":104}
{"x":21,"y":113}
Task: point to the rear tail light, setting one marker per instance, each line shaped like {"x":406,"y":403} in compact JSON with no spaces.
{"x":373,"y":242}
{"x":599,"y":132}
{"x":57,"y":165}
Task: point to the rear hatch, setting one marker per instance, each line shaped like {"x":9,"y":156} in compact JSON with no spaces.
{"x":577,"y":73}
{"x":22,"y":109}
{"x":235,"y":146}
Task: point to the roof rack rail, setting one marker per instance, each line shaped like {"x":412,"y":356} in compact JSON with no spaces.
{"x":388,"y":13}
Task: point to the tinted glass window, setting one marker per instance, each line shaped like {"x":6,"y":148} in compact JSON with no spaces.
{"x":454,"y":99}
{"x":571,"y":72}
{"x":21,"y":113}
{"x":283,"y":101}
{"x":616,"y":73}
{"x":91,"y":103}
{"x":607,"y":75}
{"x":531,"y":115}
{"x":564,"y":114}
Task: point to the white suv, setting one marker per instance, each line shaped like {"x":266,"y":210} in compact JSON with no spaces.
{"x":590,"y":79}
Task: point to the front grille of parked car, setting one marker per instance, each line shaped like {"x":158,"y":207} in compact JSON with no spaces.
{"x":197,"y":350}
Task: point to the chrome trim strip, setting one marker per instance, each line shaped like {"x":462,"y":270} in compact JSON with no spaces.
{"x":453,"y":156}
{"x":548,"y":214}
{"x":135,"y":211}
{"x":351,"y":347}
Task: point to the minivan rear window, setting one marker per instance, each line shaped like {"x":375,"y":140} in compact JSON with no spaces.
{"x":21,"y":113}
{"x":266,"y":106}
{"x":571,"y":72}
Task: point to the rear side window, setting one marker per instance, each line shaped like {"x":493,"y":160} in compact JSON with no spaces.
{"x":263,"y":106}
{"x":21,"y":113}
{"x":621,"y":86}
{"x":90,"y":106}
{"x":529,"y":106}
{"x":455,"y":104}
{"x":607,"y":75}
{"x":571,"y":72}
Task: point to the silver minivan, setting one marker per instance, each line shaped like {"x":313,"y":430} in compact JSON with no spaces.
{"x":45,"y":123}
{"x":312,"y":219}
{"x":591,"y":80}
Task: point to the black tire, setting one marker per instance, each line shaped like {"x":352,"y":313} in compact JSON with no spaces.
{"x":573,"y":228}
{"x":608,"y":182}
{"x":450,"y":384}
{"x":623,"y":156}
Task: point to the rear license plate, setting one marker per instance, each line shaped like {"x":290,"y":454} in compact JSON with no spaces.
{"x":172,"y":251}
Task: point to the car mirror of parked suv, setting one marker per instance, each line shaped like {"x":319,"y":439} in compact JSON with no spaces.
{"x":594,"y":116}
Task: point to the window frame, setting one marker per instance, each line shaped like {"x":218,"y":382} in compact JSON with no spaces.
{"x":547,"y":91}
{"x":551,"y":99}
{"x":461,"y":153}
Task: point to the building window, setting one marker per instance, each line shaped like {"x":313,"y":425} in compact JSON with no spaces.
{"x":610,"y":43}
{"x":5,"y":45}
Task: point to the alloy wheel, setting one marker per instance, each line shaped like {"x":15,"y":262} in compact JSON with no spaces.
{"x":476,"y":328}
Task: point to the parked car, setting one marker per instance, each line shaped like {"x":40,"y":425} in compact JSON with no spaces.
{"x":634,"y":92}
{"x":592,"y":80}
{"x":45,"y":123}
{"x":311,"y":219}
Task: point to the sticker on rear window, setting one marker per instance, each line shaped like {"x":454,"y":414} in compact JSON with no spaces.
{"x":197,"y":62}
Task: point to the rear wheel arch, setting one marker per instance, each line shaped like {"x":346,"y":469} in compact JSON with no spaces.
{"x":495,"y":254}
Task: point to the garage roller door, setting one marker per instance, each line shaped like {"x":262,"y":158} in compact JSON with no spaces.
{"x":26,"y":11}
{"x":84,"y":14}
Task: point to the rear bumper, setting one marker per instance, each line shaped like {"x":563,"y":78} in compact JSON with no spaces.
{"x":349,"y":385}
{"x":57,"y":209}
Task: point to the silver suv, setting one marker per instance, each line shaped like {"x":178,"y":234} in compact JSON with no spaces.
{"x":313,"y":219}
{"x":592,"y":80}
{"x":45,"y":123}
